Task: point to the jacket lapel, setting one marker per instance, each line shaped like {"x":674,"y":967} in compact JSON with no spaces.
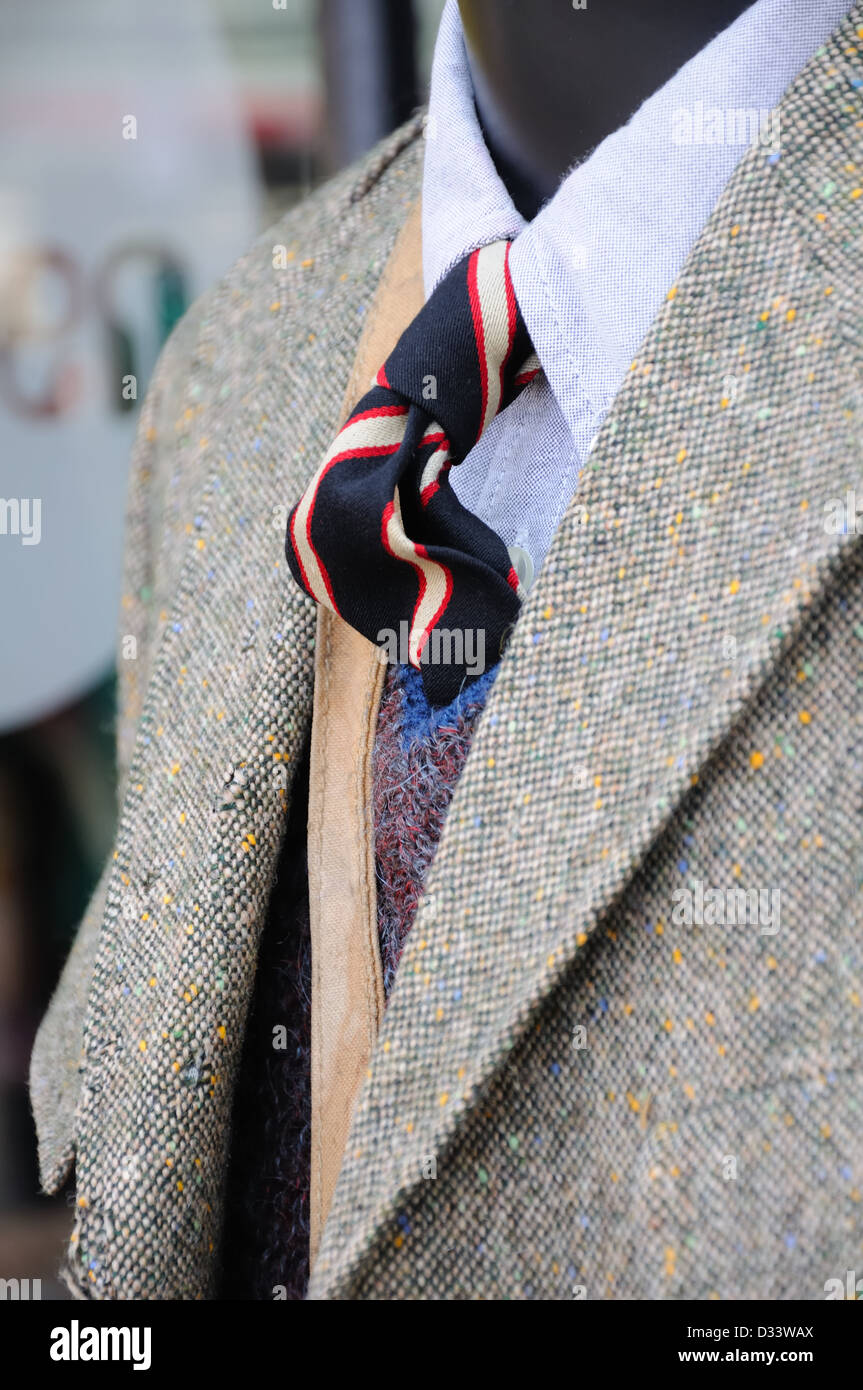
{"x":224,"y":722}
{"x":692,"y":552}
{"x":347,"y":982}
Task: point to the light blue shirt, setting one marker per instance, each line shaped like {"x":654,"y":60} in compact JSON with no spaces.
{"x":592,"y":269}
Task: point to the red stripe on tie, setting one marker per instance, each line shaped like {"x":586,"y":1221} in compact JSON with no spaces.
{"x":386,"y":518}
{"x":321,"y":566}
{"x":428,"y":492}
{"x":524,"y":377}
{"x":369,"y":451}
{"x":510,"y":316}
{"x":385,"y":521}
{"x":299,"y":559}
{"x":423,"y":553}
{"x":292,"y":531}
{"x":478,"y":333}
{"x":512,"y":578}
{"x":381,"y":377}
{"x":379,"y":412}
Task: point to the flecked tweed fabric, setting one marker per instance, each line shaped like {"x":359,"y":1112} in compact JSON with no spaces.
{"x":135,"y":1066}
{"x":570,"y":1091}
{"x":265,"y":1252}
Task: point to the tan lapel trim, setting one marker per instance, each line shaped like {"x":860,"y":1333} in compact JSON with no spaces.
{"x":622,"y":592}
{"x":347,"y":982}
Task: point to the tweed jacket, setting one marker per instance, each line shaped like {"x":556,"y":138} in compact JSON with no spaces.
{"x":596,"y":1077}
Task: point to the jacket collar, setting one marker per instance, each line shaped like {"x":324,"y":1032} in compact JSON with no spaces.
{"x":692,"y":552}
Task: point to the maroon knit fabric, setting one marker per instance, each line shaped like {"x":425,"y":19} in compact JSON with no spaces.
{"x":414,"y":779}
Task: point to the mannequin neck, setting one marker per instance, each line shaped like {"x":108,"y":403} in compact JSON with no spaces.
{"x":551,"y":81}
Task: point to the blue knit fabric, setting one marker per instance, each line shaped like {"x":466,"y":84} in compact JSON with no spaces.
{"x":420,"y":721}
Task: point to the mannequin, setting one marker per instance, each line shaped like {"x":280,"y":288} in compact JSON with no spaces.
{"x":551,"y":81}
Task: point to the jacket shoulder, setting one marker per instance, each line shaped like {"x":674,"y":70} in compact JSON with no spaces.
{"x":307,"y":279}
{"x":351,"y":205}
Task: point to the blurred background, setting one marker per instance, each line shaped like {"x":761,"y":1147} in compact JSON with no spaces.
{"x":106,"y":237}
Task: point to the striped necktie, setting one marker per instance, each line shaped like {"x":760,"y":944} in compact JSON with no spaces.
{"x":379,"y":535}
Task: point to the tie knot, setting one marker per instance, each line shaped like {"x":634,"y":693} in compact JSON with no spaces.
{"x":467,"y":353}
{"x":379,"y":534}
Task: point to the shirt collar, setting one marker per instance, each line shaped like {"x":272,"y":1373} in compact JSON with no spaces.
{"x":594,"y":266}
